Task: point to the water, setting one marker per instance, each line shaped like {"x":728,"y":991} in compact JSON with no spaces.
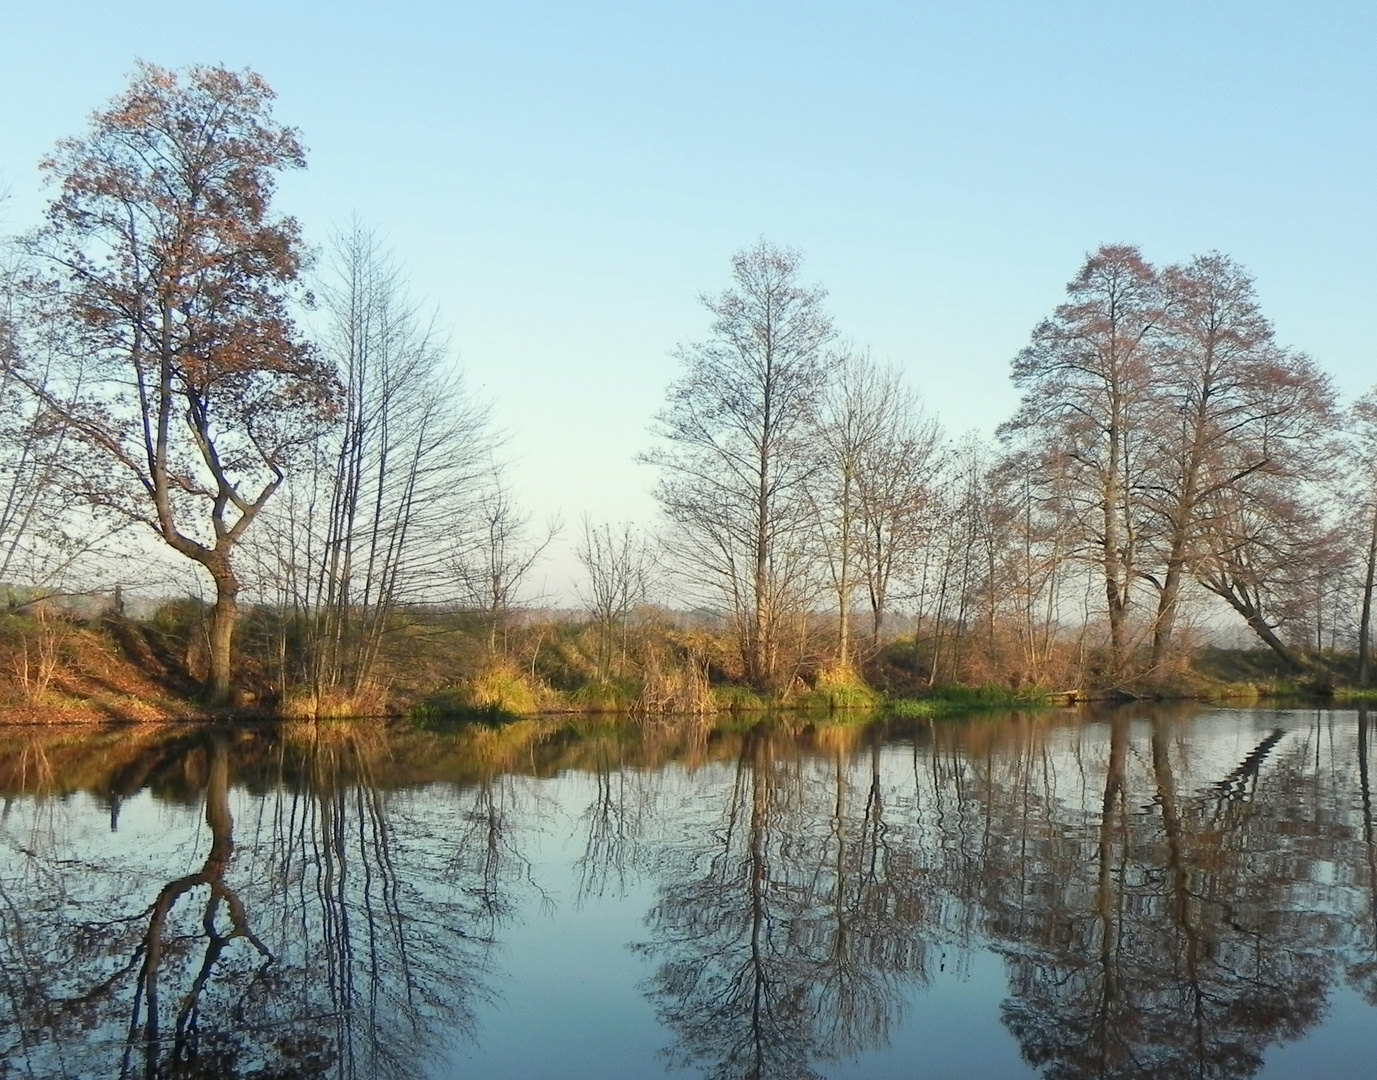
{"x":1154,"y":892}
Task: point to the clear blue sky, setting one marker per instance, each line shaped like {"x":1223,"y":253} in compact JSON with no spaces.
{"x":562,"y":180}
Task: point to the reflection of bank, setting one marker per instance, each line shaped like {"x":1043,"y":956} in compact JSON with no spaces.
{"x":788,"y":942}
{"x":1167,"y":901}
{"x":325,"y":947}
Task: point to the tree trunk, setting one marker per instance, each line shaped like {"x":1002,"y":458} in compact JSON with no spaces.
{"x":1166,"y":613}
{"x":844,"y":585}
{"x":1365,"y":621}
{"x":844,"y":614}
{"x":1112,"y":559}
{"x":877,"y":620}
{"x":223,"y":618}
{"x":1260,"y":627}
{"x":759,"y":643}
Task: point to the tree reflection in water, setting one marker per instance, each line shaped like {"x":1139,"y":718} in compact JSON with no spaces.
{"x":1159,"y":915}
{"x":1362,"y":968}
{"x":1166,"y":933}
{"x":325,"y":945}
{"x":1170,"y":897}
{"x":783,"y":944}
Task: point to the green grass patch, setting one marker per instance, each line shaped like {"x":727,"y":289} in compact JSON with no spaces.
{"x":963,"y":700}
{"x":842,"y":698}
{"x":738,"y":699}
{"x":606,"y":696}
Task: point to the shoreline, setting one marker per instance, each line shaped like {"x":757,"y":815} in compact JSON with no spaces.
{"x":951,"y":703}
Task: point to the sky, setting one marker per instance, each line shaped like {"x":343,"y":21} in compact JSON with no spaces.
{"x":562,"y":181}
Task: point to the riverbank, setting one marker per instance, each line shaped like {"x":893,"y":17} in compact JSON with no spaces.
{"x":63,"y":671}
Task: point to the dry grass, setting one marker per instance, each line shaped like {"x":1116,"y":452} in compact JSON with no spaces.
{"x":56,"y":671}
{"x":332,"y":704}
{"x":673,"y":685}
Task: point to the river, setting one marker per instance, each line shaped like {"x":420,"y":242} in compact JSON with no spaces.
{"x":1151,"y":891}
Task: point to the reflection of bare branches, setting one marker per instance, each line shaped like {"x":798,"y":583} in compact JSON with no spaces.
{"x":783,"y":944}
{"x":615,"y":821}
{"x":485,"y":862}
{"x":1155,"y":920}
{"x":870,"y":936}
{"x":393,"y":958}
{"x":725,"y":988}
{"x":358,"y":960}
{"x":1200,"y":957}
{"x":1362,"y":969}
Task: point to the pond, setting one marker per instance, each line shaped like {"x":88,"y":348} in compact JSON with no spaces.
{"x":1147,"y":892}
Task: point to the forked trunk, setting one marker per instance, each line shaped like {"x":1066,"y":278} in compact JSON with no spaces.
{"x":1166,"y":614}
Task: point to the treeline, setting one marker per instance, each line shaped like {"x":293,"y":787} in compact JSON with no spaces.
{"x":1166,"y":451}
{"x":324,"y":465}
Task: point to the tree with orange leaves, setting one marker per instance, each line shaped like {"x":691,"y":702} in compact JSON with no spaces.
{"x":188,"y":385}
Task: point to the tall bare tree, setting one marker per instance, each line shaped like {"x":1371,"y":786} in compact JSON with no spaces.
{"x":874,"y":496}
{"x":1363,"y":422}
{"x":737,"y":454}
{"x":408,"y":456}
{"x":896,"y":493}
{"x":1234,"y":414}
{"x":174,"y":276}
{"x":1086,"y":378}
{"x":1214,"y":364}
{"x":850,"y":422}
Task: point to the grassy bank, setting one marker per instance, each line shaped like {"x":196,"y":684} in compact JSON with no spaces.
{"x":436,"y":668}
{"x":54,"y":670}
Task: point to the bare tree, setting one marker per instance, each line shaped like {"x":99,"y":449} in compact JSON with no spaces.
{"x":617,"y":564}
{"x":1230,"y":405}
{"x":1086,"y":378}
{"x":1217,"y":347}
{"x":1363,"y":423}
{"x":194,"y":388}
{"x":409,"y":454}
{"x":1033,"y":600}
{"x":895,"y":492}
{"x":737,"y":455}
{"x":849,"y":423}
{"x":494,"y":553}
{"x":956,"y":584}
{"x":30,"y":448}
{"x":1261,"y":534}
{"x":48,"y":542}
{"x":874,"y":496}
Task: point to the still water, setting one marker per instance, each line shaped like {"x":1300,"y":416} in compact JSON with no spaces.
{"x":1153,"y":892}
